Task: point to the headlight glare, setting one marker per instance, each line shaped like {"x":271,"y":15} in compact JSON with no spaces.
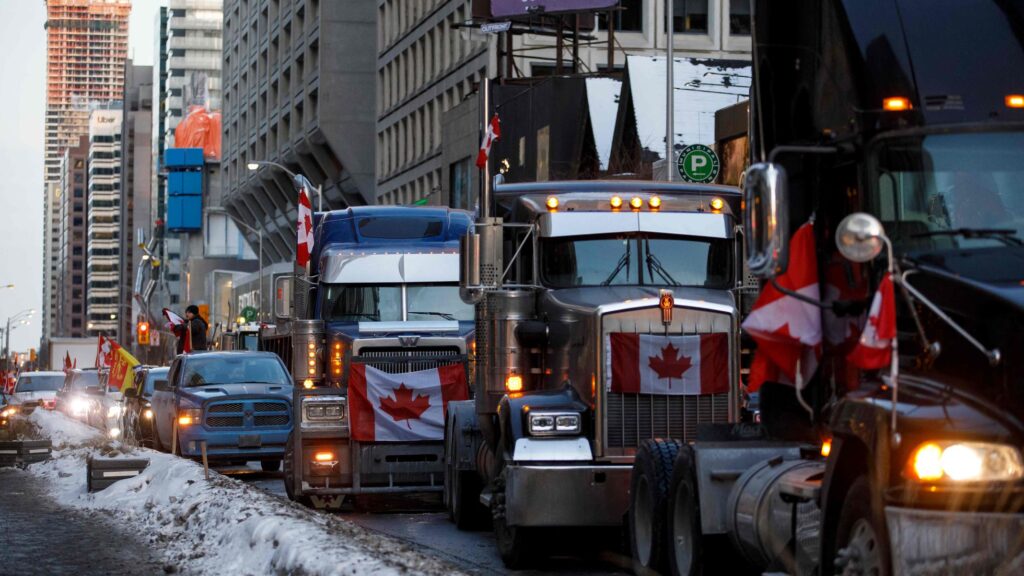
{"x":961,"y":462}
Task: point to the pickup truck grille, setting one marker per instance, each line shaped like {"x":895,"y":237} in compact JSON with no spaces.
{"x":248,"y":414}
{"x":633,"y":418}
{"x":401,"y":360}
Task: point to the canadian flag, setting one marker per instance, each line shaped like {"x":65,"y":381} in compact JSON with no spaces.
{"x":492,"y":133}
{"x":177,"y":324}
{"x":874,"y":349}
{"x":304,"y":241}
{"x":690,"y":364}
{"x":402,"y":407}
{"x":104,"y":352}
{"x":788,"y":330}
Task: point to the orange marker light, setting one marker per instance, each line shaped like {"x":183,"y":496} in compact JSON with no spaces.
{"x":928,"y":462}
{"x":514,"y":383}
{"x":552,"y":203}
{"x":826,"y":447}
{"x":654,"y":202}
{"x":636,"y":202}
{"x":307,"y":383}
{"x":323,"y":456}
{"x":717,"y":204}
{"x":184,"y":420}
{"x":896,"y":104}
{"x":1015,"y":101}
{"x":616,"y":202}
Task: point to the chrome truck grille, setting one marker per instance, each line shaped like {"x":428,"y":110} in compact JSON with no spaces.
{"x":396,"y":360}
{"x":629,"y":419}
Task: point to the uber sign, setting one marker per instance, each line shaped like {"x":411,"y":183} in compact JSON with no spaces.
{"x":698,"y":164}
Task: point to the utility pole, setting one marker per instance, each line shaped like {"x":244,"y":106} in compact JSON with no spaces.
{"x":670,"y":119}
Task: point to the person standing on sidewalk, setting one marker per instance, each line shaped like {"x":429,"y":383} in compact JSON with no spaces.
{"x":196,"y":327}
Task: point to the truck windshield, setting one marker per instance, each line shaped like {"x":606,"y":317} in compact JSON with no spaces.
{"x":384,"y":303}
{"x":40,"y":383}
{"x":636,"y":260}
{"x":950,"y":191}
{"x":242,"y":369}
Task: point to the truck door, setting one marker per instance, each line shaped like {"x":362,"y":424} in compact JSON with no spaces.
{"x":163,"y":408}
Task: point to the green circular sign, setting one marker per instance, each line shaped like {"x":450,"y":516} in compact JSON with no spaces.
{"x":249,"y":313}
{"x":698,"y":164}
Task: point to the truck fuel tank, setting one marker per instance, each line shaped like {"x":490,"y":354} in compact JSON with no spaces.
{"x":760,"y":514}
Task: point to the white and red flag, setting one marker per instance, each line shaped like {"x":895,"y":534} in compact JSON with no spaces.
{"x":177,"y":323}
{"x":874,"y":349}
{"x":788,"y":330}
{"x":403,"y":407}
{"x":304,"y":239}
{"x":492,"y":133}
{"x":104,"y":352}
{"x":689,"y":364}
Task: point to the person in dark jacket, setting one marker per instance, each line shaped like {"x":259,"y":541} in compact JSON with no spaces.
{"x":197,"y":326}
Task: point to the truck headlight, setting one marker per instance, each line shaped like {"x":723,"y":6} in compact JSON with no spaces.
{"x":553,"y":423}
{"x":323,"y":411}
{"x":79,"y":407}
{"x":965,"y":462}
{"x":8,"y":412}
{"x":147,"y":413}
{"x":189,"y":416}
{"x":114,"y":411}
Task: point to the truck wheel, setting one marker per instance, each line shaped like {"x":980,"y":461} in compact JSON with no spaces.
{"x":685,"y":540}
{"x":649,"y":489}
{"x":462,"y":489}
{"x":289,"y":473}
{"x":515,"y":544}
{"x":270,"y":465}
{"x":861,"y":540}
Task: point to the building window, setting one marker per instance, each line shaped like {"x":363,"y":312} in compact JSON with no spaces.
{"x":739,"y":18}
{"x":690,"y":16}
{"x":461,"y":189}
{"x":629,"y":19}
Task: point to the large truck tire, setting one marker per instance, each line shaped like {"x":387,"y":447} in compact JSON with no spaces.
{"x":462,"y":487}
{"x":289,"y":473}
{"x":648,"y":509}
{"x":861,"y":545}
{"x":516,"y":544}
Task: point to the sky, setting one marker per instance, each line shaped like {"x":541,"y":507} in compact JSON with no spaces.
{"x":22,"y":102}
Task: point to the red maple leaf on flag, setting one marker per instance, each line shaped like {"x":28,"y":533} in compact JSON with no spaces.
{"x":670,"y":364}
{"x":403,"y":407}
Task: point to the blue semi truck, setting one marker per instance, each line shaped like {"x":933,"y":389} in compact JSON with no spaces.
{"x":378,"y":341}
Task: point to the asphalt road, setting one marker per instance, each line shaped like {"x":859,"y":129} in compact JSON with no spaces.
{"x":421,"y":521}
{"x":37,"y":536}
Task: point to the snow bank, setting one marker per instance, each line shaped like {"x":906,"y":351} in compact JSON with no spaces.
{"x":220,"y":525}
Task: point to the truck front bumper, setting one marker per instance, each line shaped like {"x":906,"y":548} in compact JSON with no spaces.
{"x":233,"y":445}
{"x":926,"y":542}
{"x":566,"y":495}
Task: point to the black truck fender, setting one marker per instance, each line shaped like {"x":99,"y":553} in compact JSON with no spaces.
{"x":511,"y":413}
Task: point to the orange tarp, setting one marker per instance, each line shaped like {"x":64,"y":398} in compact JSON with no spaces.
{"x":200,"y":129}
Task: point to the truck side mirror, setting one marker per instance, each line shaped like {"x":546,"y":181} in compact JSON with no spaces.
{"x":469,"y":269}
{"x":283,"y":286}
{"x":765,"y":219}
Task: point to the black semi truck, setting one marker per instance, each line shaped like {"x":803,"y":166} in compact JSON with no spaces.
{"x":897,"y":126}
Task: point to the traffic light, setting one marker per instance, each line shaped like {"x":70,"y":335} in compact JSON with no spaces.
{"x":32,"y":356}
{"x":143,"y":332}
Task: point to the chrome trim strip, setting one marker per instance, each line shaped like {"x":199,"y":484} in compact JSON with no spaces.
{"x":552,"y":450}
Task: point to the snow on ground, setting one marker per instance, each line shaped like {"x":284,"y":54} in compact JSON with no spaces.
{"x":220,"y":525}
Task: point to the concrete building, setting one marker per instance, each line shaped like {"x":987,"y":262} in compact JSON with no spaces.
{"x":87,"y":44}
{"x":71,"y":286}
{"x":298,"y":90}
{"x":429,"y":63}
{"x":136,"y":195}
{"x":104,"y":222}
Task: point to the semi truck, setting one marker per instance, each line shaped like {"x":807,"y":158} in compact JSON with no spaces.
{"x":607,"y":314}
{"x":377,"y":346}
{"x":883,"y":123}
{"x":81,"y":351}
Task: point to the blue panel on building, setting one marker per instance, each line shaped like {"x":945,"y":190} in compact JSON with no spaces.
{"x":178,"y":158}
{"x":184,"y":213}
{"x":184,"y":183}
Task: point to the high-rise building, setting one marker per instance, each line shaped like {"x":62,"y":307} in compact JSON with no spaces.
{"x":298,"y":91}
{"x":73,"y":197}
{"x":104,"y":206}
{"x":136,"y":193}
{"x":87,"y":44}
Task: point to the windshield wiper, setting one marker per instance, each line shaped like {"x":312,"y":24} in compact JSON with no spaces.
{"x":441,"y":314}
{"x":654,"y":265}
{"x":623,"y":263}
{"x":1005,"y":235}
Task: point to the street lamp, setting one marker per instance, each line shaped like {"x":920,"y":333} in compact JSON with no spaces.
{"x":257,"y":164}
{"x":23,"y":316}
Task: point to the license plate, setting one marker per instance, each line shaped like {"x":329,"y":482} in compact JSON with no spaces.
{"x":249,"y":441}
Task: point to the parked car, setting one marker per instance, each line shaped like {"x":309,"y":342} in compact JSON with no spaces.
{"x":35,"y":389}
{"x":237,"y":403}
{"x":73,"y":398}
{"x":106,"y":414}
{"x":137,"y":412}
{"x":6,"y":413}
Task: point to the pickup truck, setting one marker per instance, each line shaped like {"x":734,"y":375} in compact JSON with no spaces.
{"x":238,"y":404}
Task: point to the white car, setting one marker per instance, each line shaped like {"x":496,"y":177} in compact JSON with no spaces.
{"x":36,"y":389}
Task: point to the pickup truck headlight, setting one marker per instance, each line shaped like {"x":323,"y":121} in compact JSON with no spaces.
{"x":553,"y":423}
{"x":962,"y":462}
{"x":323,"y":411}
{"x":114,"y":411}
{"x":189,"y":416}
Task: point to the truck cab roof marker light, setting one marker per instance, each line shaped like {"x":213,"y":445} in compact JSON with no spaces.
{"x":616,"y":202}
{"x":636,"y":202}
{"x":654,"y":202}
{"x":896,"y":104}
{"x":717,"y":204}
{"x":552,"y":203}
